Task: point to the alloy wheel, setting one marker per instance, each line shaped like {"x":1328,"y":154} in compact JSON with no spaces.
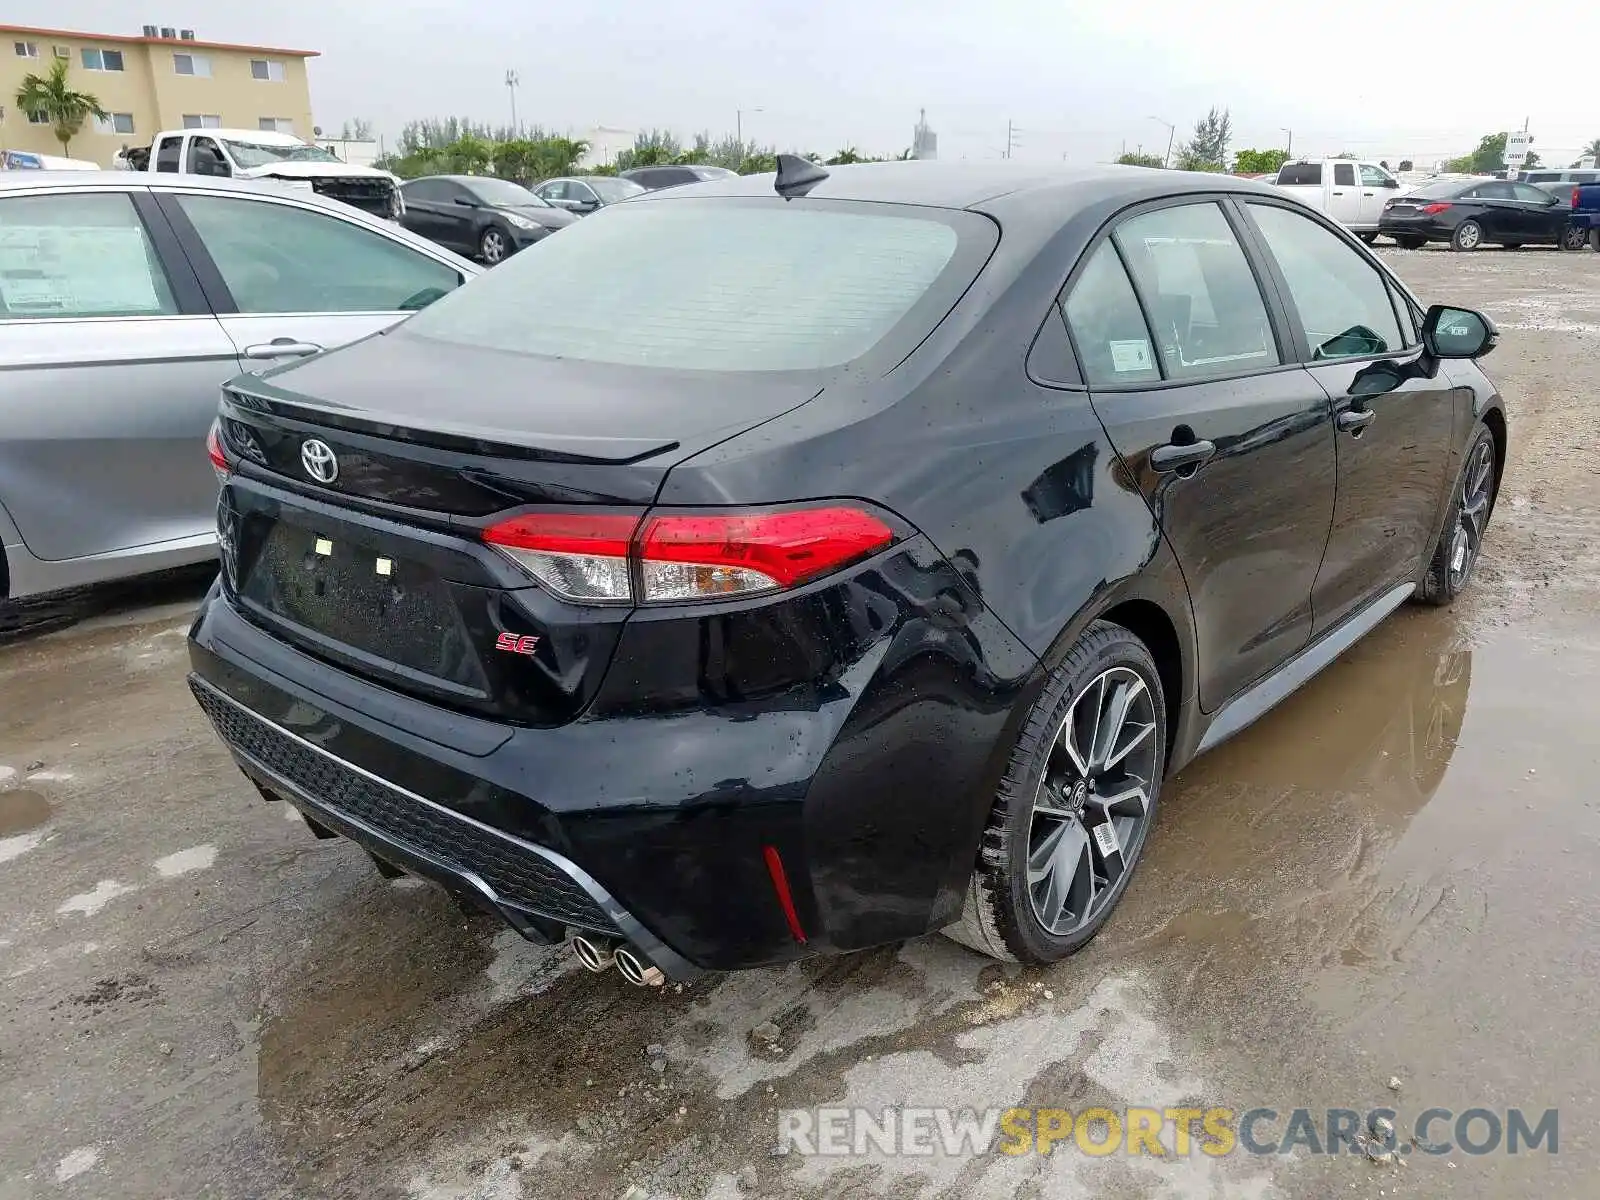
{"x":1469,"y":236}
{"x":494,"y":247}
{"x":1091,"y":813}
{"x":1477,"y":487}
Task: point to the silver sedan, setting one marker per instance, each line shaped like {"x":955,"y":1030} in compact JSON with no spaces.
{"x":125,"y":301}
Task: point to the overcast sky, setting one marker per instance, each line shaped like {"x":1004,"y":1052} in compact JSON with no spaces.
{"x":1375,"y":77}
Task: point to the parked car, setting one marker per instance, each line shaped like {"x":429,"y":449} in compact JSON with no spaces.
{"x":1585,"y":202}
{"x":1480,"y":212}
{"x":491,"y":218}
{"x":126,"y":300}
{"x":582,"y":195}
{"x":655,"y":178}
{"x":833,"y":572}
{"x":1568,"y":175}
{"x":263,"y":155}
{"x":1349,"y":191}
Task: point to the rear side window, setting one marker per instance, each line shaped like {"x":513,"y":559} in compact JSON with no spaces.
{"x":720,"y":285}
{"x":1344,"y":175}
{"x":277,"y":258}
{"x":78,"y":256}
{"x":1344,"y":302}
{"x":1112,"y":339}
{"x":1205,"y":307}
{"x":168,"y":154}
{"x":1300,"y":175}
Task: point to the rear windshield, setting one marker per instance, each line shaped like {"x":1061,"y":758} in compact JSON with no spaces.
{"x":720,"y":285}
{"x":1439,"y":191}
{"x":1299,"y":174}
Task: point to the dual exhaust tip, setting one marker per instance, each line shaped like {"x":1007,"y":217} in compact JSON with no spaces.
{"x":600,"y":954}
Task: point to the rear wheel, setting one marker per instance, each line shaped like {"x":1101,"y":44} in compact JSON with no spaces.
{"x":1572,"y":239}
{"x":1411,"y":242}
{"x":1461,"y":540}
{"x":1368,"y":238}
{"x":1468,"y":236}
{"x":1075,"y":807}
{"x":1594,"y":240}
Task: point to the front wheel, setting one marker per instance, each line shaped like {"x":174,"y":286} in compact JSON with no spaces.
{"x":494,"y":246}
{"x":1468,"y":236}
{"x":1368,"y":238}
{"x":1073,"y":812}
{"x":1461,"y":540}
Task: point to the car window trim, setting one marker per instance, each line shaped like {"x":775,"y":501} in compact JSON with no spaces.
{"x":216,"y":288}
{"x":187,"y":295}
{"x":1277,"y":317}
{"x":1297,"y":327}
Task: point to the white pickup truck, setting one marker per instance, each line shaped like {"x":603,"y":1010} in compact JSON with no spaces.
{"x":280,"y":157}
{"x":1348,"y":190}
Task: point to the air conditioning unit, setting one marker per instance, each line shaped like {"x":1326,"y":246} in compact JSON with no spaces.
{"x":151,"y":31}
{"x":168,"y":32}
{"x":186,"y":35}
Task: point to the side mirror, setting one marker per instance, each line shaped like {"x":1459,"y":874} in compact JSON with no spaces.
{"x":466,"y":202}
{"x":1391,"y":183}
{"x":1458,"y":333}
{"x":585,"y":206}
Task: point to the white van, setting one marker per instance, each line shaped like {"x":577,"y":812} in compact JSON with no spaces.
{"x":1350,"y":191}
{"x":27,"y":160}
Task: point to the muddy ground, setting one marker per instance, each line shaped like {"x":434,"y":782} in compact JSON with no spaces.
{"x":1389,"y":880}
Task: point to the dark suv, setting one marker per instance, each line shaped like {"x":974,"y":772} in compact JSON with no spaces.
{"x":742,"y":575}
{"x":656,"y":178}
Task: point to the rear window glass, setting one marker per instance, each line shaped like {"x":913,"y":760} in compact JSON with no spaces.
{"x":717,"y":285}
{"x":1300,"y":174}
{"x":1439,"y":191}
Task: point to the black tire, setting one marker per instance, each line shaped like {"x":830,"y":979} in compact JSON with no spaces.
{"x":1572,"y":239}
{"x":1594,"y":240}
{"x":1461,"y":540}
{"x":1468,"y":236}
{"x":1045,"y":802}
{"x":495,"y":245}
{"x":1411,"y":241}
{"x":1368,"y":238}
{"x":1513,"y":245}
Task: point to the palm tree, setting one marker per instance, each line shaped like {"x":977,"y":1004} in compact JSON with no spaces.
{"x":844,"y":157}
{"x":53,"y":97}
{"x":1593,"y":149}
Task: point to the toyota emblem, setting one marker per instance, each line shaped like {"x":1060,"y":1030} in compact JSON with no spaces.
{"x":319,"y":460}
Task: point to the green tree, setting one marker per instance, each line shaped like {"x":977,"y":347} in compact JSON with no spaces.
{"x":1488,"y":158}
{"x":845,"y":157}
{"x":1207,"y":150}
{"x":651,"y":148}
{"x":1532,"y":160}
{"x":52,"y":96}
{"x":1134,"y":159}
{"x":358,"y":130}
{"x":1405,"y":164}
{"x":1259,"y":162}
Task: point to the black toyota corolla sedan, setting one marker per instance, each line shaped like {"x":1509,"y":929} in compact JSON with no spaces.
{"x":1481,"y":212}
{"x":786,"y":565}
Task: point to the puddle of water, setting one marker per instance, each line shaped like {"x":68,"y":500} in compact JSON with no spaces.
{"x":21,"y":811}
{"x":196,"y":858}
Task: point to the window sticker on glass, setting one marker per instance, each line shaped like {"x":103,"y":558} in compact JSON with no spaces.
{"x":1131,"y":355}
{"x":48,"y":271}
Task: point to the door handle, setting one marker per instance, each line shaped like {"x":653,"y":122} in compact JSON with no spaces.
{"x":1338,"y":193}
{"x":1354,"y":420}
{"x":1176,"y":457}
{"x":1367,"y":193}
{"x":281,"y":348}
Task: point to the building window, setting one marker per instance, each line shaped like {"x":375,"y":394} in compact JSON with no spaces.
{"x":201,"y":121}
{"x":38,"y":118}
{"x":102,"y":60}
{"x":62,"y":51}
{"x":27,"y":49}
{"x":115,"y":123}
{"x":275,"y":124}
{"x":261,"y":68}
{"x":192,"y":64}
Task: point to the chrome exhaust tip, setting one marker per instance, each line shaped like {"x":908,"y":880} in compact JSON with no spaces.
{"x":636,"y":970}
{"x":596,"y":955}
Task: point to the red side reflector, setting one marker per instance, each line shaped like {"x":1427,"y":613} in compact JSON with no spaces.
{"x":787,"y":547}
{"x":219,"y":460}
{"x":1430,"y":209}
{"x":780,"y":884}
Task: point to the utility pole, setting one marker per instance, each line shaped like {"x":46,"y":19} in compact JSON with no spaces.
{"x":512,"y":79}
{"x":1011,"y":137}
{"x":1288,"y":149}
{"x":1172,"y":133}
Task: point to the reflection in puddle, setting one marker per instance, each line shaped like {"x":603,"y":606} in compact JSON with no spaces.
{"x":21,"y":811}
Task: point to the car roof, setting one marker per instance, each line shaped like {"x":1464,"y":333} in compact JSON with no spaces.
{"x":11,"y":181}
{"x":975,"y":184}
{"x":260,"y":137}
{"x":463,"y":179}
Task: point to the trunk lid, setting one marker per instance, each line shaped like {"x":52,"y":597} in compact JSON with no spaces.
{"x":381,"y":569}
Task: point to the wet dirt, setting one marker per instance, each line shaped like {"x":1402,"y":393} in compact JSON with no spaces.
{"x":1389,"y":878}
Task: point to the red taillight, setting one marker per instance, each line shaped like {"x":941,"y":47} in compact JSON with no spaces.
{"x":780,"y":885}
{"x":687,"y":556}
{"x":578,"y":556}
{"x":214,"y":451}
{"x":1574,"y":197}
{"x":1436,"y":207}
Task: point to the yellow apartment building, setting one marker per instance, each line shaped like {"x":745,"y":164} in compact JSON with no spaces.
{"x":163,"y":79}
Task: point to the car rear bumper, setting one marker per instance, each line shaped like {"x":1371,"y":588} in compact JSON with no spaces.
{"x":1427,"y":227}
{"x":656,"y":822}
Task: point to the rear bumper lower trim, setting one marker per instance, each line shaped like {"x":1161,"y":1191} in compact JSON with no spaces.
{"x":414,"y":858}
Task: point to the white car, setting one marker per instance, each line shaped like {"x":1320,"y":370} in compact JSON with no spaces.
{"x":1350,"y":191}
